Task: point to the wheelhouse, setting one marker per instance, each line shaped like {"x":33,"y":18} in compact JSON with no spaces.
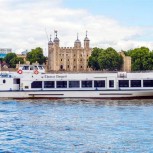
{"x":36,"y":69}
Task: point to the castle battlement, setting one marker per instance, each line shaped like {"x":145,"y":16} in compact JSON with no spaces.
{"x":66,"y":48}
{"x":70,"y":59}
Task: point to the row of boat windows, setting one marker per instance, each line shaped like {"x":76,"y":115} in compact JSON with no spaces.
{"x":89,"y":84}
{"x":135,"y":83}
{"x":32,"y":67}
{"x":71,"y":84}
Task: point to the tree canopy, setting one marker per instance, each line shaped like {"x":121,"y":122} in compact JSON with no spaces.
{"x":142,"y":59}
{"x":11,"y":59}
{"x":15,"y":61}
{"x":109,"y":59}
{"x":8,"y":57}
{"x":105,"y":59}
{"x":36,"y":55}
{"x":93,"y":59}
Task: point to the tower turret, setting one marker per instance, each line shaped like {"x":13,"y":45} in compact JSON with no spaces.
{"x":50,"y":41}
{"x":56,"y":40}
{"x":50,"y":54}
{"x":86,"y":41}
{"x":77,"y":43}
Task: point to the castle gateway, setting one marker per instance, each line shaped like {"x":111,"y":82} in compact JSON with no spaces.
{"x":68,"y":58}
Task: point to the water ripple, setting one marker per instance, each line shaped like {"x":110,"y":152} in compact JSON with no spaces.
{"x":76,"y":126}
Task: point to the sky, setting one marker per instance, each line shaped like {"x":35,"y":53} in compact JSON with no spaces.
{"x":121,"y":24}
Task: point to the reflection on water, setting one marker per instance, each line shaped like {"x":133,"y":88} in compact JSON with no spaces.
{"x":79,"y":126}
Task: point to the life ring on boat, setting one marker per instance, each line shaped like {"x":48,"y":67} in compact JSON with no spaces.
{"x":36,"y":72}
{"x":19,"y":71}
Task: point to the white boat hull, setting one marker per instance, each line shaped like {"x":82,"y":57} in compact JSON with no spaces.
{"x":77,"y":94}
{"x":80,"y":85}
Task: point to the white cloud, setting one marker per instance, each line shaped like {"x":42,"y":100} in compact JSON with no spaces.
{"x":23,"y":25}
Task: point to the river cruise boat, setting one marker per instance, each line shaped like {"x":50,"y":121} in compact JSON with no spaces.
{"x":32,"y":82}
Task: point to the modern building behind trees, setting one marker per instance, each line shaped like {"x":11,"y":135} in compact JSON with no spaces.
{"x":4,"y":52}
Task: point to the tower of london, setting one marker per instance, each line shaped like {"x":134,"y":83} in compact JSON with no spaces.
{"x":68,"y":58}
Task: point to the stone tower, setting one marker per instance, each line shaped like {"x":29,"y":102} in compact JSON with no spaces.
{"x":50,"y":54}
{"x":86,"y":42}
{"x":68,"y":58}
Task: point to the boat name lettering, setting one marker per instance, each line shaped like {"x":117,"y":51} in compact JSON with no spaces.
{"x":56,"y":76}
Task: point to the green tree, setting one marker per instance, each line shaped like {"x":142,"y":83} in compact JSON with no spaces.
{"x":128,"y":52}
{"x":110,"y":60}
{"x":93,"y":59}
{"x":36,"y":55}
{"x":107,"y":59}
{"x":9,"y":57}
{"x":1,"y":60}
{"x":16,"y":60}
{"x":150,"y":61}
{"x":141,"y":59}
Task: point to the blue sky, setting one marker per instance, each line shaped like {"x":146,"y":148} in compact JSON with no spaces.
{"x":121,"y":24}
{"x":128,"y":12}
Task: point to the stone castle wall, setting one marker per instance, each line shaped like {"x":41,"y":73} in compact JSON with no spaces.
{"x":68,"y":58}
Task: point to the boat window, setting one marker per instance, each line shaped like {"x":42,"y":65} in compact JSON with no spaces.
{"x":26,"y":87}
{"x":4,"y":81}
{"x":16,"y":81}
{"x":40,"y":67}
{"x":74,"y":84}
{"x":135,"y":83}
{"x":111,"y":83}
{"x":87,"y":84}
{"x":123,"y":83}
{"x":147,"y":83}
{"x":61,"y":84}
{"x":49,"y":84}
{"x":99,"y":83}
{"x":25,"y":68}
{"x":36,"y":84}
{"x":35,"y":67}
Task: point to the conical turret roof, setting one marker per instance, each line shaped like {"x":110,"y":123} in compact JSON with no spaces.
{"x":50,"y":41}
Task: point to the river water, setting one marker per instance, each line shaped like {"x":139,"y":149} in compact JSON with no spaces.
{"x":76,"y":126}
